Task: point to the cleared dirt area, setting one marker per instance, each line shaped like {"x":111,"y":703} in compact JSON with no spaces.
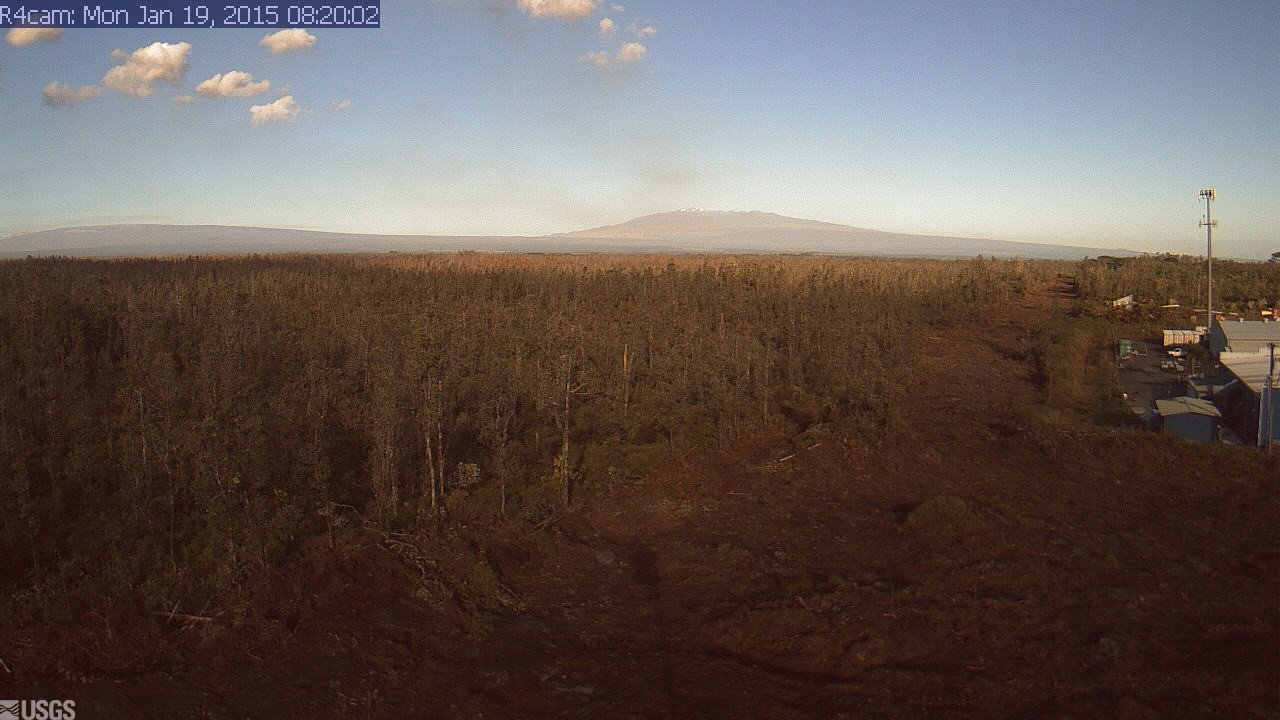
{"x":985,"y":559}
{"x":1146,"y":379}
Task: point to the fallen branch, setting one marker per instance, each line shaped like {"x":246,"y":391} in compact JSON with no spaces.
{"x":183,"y":617}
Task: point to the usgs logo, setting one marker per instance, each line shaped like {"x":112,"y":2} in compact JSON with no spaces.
{"x":37,"y":710}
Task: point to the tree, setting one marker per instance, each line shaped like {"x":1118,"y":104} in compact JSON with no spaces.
{"x":564,"y":379}
{"x":431,"y":429}
{"x":496,"y":430}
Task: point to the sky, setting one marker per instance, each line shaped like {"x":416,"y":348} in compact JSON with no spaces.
{"x":1086,"y":123}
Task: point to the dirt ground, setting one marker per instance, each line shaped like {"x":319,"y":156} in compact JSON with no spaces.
{"x":1144,"y":381}
{"x":986,"y":560}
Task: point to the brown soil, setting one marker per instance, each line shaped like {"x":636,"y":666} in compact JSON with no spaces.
{"x":985,"y":560}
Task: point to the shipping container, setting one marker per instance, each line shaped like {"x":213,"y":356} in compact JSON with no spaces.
{"x":1182,"y":337}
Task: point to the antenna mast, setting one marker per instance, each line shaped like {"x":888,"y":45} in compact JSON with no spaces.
{"x":1208,"y":224}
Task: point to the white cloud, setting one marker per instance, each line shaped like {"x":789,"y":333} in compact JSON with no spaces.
{"x":598,"y":59}
{"x":644,"y":32}
{"x":282,"y":110}
{"x":60,"y":95}
{"x":20,"y":37}
{"x":146,"y":66}
{"x":618,"y":8}
{"x":342,"y":105}
{"x":562,"y":9}
{"x":630,"y":53}
{"x":184,"y":99}
{"x":607,"y":28}
{"x":288,"y":41}
{"x":233,"y":84}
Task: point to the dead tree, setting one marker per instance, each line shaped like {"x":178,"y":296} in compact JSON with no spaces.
{"x":432,"y":429}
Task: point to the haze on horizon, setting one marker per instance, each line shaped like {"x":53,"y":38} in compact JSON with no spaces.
{"x":1066,"y":123}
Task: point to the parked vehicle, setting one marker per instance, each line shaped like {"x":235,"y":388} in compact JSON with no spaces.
{"x":1178,"y":352}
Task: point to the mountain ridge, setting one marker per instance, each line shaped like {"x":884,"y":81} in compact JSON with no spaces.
{"x":757,"y":231}
{"x":697,"y":218}
{"x":690,"y":231}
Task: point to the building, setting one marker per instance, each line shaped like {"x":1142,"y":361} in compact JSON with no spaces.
{"x":1252,"y":404}
{"x":1171,"y":338}
{"x":1189,"y":418}
{"x":1243,"y":336}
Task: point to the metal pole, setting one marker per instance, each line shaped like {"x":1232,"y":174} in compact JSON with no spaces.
{"x":1270,"y":395}
{"x":1262,"y":414}
{"x":1209,"y":195}
{"x":1208,"y":231}
{"x":1266,"y":404}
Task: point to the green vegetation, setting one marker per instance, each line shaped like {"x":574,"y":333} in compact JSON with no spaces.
{"x":1078,"y":370}
{"x":941,"y":515}
{"x":171,"y":429}
{"x":1239,"y":287}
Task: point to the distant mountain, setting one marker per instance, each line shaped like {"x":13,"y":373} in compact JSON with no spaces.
{"x":756,"y":232}
{"x":147,"y":240}
{"x":684,"y":231}
{"x":697,"y":222}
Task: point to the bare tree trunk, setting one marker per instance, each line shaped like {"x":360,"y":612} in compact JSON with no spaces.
{"x":142,"y":484}
{"x":440,"y":433}
{"x":431,"y":466}
{"x":564,"y":444}
{"x":387,"y":468}
{"x":173,"y":511}
{"x":626,"y":382}
{"x":500,"y":438}
{"x":431,"y":434}
{"x":764,"y":386}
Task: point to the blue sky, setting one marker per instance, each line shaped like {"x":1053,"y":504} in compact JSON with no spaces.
{"x":1090,"y":123}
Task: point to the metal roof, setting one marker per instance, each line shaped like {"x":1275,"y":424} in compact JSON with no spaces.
{"x":1251,"y":330}
{"x":1252,"y":369}
{"x":1183,"y":405}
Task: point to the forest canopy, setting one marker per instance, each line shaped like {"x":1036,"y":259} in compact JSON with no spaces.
{"x":169,"y":427}
{"x":1238,"y":287}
